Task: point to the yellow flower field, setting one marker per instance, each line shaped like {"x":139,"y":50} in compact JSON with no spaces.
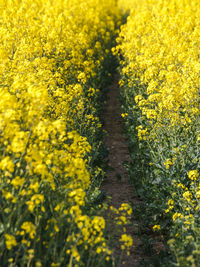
{"x":57,"y":57}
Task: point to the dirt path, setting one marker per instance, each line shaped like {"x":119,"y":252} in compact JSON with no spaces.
{"x":116,"y":183}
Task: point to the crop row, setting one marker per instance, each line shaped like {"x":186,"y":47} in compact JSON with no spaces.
{"x":53,"y":65}
{"x":159,"y":51}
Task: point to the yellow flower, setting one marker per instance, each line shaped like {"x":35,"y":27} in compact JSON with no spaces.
{"x":98,"y":250}
{"x":17,"y":182}
{"x":127,"y":241}
{"x":193,"y":175}
{"x":107,"y":258}
{"x":58,"y":207}
{"x":29,"y":228}
{"x":34,"y":186}
{"x":7,"y":195}
{"x":121,"y":83}
{"x":176,"y":215}
{"x":56,"y":228}
{"x":7,"y":164}
{"x":124,"y":115}
{"x":10,"y":241}
{"x":181,"y":185}
{"x":170,"y":202}
{"x":75,"y":254}
{"x":167,"y":163}
{"x":156,"y":227}
{"x":187,"y":195}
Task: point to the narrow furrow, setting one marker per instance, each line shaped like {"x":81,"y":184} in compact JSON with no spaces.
{"x":116,"y":184}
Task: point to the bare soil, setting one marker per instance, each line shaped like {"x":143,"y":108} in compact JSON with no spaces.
{"x":116,"y":184}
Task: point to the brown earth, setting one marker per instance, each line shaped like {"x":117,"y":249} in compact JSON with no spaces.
{"x":116,"y":183}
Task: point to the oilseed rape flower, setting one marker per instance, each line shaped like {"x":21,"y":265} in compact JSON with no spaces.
{"x":193,"y":175}
{"x":167,"y":163}
{"x":29,"y":228}
{"x":156,"y":227}
{"x":10,"y":241}
{"x":124,"y":115}
{"x":176,"y":215}
{"x":126,"y":241}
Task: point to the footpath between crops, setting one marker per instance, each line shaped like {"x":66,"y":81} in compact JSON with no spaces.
{"x":116,"y":184}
